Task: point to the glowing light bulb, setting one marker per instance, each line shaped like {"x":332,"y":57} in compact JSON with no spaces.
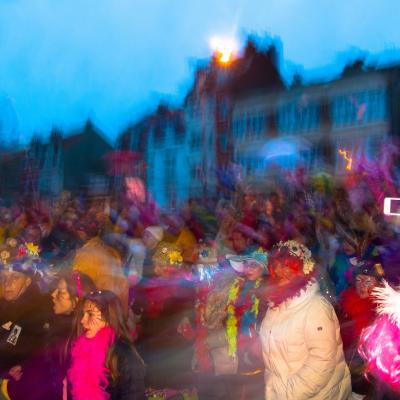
{"x":224,"y":49}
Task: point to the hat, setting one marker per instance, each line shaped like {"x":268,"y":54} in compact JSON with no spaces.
{"x":238,"y":262}
{"x":167,"y":254}
{"x":156,"y":231}
{"x":370,"y":268}
{"x":26,"y":260}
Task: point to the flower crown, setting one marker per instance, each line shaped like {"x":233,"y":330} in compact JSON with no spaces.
{"x":299,"y":250}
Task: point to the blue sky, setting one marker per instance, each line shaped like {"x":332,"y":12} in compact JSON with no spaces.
{"x":64,"y":60}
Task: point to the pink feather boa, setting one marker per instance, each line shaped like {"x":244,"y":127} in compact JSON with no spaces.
{"x":88,"y":374}
{"x":379,"y":346}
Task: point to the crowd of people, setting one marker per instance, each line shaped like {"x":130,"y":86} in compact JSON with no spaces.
{"x":265,"y":294}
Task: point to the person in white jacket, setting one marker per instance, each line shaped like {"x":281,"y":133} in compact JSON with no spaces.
{"x":302,"y":347}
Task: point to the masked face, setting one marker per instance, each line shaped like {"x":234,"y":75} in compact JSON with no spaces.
{"x":62,"y":301}
{"x":92,"y":320}
{"x":13,"y":284}
{"x":280,"y":272}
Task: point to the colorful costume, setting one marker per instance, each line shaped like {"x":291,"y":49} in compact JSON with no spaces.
{"x":300,"y":336}
{"x":162,"y":301}
{"x":379,"y":343}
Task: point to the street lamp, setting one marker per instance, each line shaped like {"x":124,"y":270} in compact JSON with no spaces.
{"x":223,"y":49}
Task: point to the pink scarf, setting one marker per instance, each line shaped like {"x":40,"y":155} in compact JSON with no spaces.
{"x":88,"y":374}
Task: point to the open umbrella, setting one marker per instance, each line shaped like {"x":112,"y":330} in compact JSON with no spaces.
{"x":285,"y":152}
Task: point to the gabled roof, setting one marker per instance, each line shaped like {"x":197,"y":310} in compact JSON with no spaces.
{"x":79,"y":134}
{"x":256,"y":70}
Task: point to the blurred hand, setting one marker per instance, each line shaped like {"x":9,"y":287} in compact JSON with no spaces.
{"x":16,"y":372}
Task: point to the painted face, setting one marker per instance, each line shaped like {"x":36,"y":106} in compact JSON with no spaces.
{"x":252,"y":270}
{"x":62,"y":301}
{"x":280,"y":272}
{"x":92,"y":320}
{"x":13,"y":284}
{"x":365,"y":284}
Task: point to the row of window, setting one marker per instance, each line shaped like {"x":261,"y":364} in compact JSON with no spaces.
{"x":298,"y":117}
{"x":302,"y":116}
{"x":249,"y":126}
{"x":359,"y":108}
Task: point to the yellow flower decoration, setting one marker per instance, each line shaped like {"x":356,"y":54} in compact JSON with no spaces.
{"x":175,"y":257}
{"x":32,"y":249}
{"x":4,"y":255}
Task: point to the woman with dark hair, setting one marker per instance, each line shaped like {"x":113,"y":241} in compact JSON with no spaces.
{"x":104,"y":363}
{"x":71,"y":286}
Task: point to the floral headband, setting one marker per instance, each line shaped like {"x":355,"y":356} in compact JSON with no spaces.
{"x":299,"y":250}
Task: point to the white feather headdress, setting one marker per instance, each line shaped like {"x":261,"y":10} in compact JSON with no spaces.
{"x":388,"y":302}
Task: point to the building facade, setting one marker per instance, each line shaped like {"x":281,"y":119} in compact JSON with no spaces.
{"x":74,"y":163}
{"x":354,"y":112}
{"x":245,"y":114}
{"x":161,"y":142}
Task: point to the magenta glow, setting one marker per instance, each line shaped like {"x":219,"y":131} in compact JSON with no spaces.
{"x":380,"y":347}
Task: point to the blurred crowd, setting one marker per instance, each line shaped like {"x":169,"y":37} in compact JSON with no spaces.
{"x":263,"y":294}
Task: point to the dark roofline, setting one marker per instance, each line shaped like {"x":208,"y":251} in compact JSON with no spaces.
{"x":77,"y":134}
{"x":238,"y":70}
{"x":348,"y":73}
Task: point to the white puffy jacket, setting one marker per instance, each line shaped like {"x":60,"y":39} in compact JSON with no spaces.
{"x":303,"y":351}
